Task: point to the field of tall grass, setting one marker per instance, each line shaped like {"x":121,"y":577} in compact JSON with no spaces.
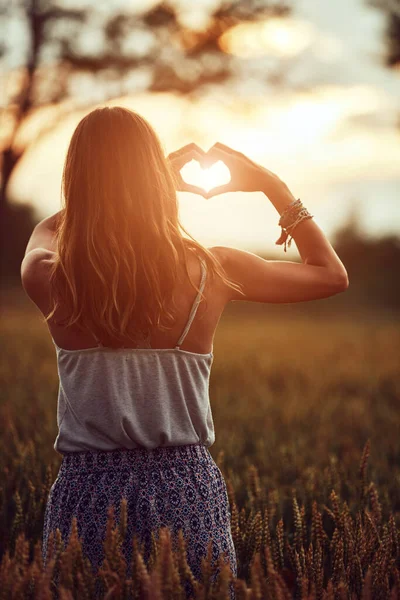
{"x":307,"y":419}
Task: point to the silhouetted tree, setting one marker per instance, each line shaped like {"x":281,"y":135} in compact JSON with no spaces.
{"x":392,"y":30}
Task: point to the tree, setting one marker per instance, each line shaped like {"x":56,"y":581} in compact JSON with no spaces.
{"x":392,"y":30}
{"x":174,"y":56}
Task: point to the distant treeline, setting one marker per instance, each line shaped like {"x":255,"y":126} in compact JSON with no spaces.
{"x":373,"y":265}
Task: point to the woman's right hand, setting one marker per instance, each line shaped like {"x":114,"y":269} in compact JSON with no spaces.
{"x":246,"y":175}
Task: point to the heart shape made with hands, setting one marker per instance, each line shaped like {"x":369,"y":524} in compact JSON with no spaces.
{"x":199,"y":172}
{"x":208,"y":177}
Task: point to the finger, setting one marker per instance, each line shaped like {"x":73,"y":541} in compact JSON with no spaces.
{"x":227,"y":149}
{"x":192,"y":147}
{"x":216,"y":153}
{"x":194,"y":189}
{"x":218,"y":147}
{"x":178,"y":160}
{"x":226,"y":154}
{"x":221,"y":189}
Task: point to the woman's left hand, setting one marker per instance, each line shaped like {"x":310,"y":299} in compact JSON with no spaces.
{"x":178,"y":159}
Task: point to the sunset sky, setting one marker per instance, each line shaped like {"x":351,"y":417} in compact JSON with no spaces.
{"x":336,"y":143}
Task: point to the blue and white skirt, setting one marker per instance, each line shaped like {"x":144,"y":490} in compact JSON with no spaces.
{"x":176,"y":486}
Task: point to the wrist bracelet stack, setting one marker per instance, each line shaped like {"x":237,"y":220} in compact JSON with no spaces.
{"x":290,"y":218}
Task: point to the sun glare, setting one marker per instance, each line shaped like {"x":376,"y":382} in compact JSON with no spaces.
{"x":276,"y":36}
{"x":207,"y":179}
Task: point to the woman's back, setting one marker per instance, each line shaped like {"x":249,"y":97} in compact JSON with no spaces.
{"x":200,"y":336}
{"x":147,"y":397}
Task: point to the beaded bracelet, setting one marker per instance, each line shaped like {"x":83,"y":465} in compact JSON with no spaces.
{"x":293,"y":214}
{"x":287,"y":214}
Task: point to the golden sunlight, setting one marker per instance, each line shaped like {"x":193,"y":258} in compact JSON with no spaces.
{"x":277,"y":36}
{"x":216,"y":175}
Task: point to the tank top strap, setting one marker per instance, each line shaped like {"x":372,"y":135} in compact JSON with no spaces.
{"x":195,"y":303}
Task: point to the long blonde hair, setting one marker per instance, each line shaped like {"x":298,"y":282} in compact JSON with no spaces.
{"x":119,"y":243}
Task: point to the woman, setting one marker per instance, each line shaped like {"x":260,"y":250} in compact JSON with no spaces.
{"x":132,"y":307}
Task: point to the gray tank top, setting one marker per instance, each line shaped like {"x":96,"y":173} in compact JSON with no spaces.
{"x":135,"y":397}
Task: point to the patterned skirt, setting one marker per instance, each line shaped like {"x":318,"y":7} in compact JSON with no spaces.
{"x":176,"y":486}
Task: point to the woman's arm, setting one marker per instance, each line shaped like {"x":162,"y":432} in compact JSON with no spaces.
{"x":320,"y":275}
{"x":43,"y":235}
{"x":312,"y":244}
{"x":39,"y":253}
